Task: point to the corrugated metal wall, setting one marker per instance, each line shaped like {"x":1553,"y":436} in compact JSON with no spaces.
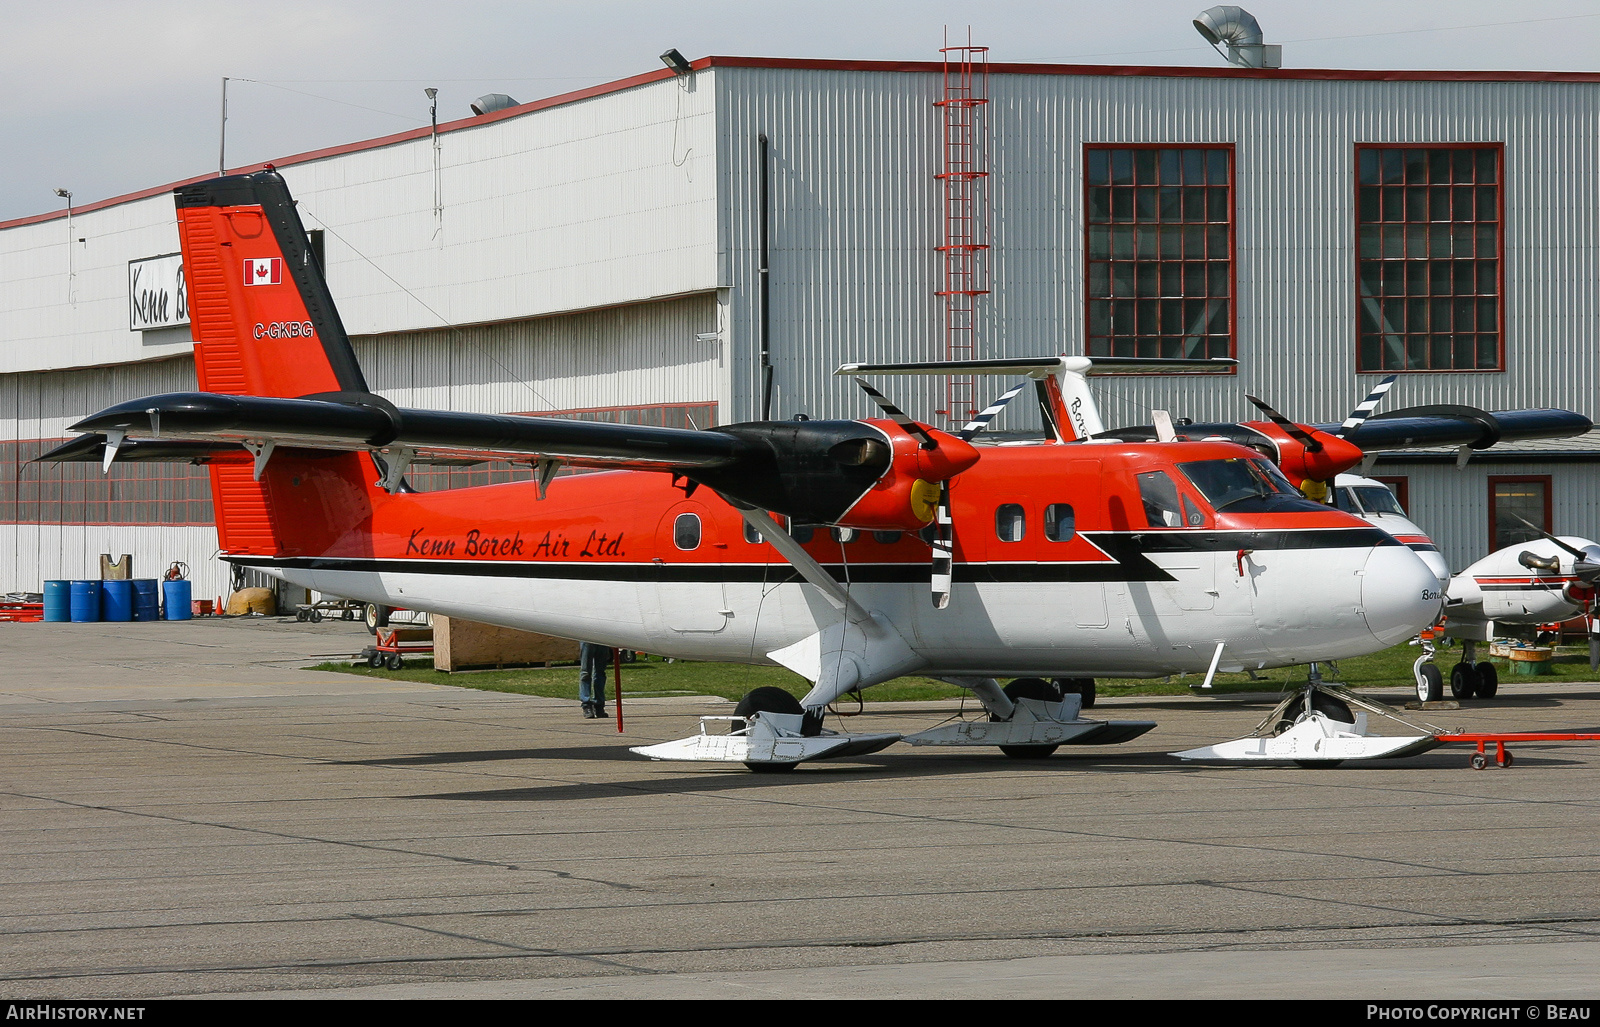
{"x":1453,"y":506}
{"x":666,"y":352}
{"x":662,"y":352}
{"x":854,"y":226}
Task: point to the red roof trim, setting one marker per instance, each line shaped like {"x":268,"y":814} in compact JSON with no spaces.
{"x":809,"y":64}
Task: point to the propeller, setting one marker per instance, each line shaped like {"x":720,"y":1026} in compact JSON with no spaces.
{"x":943,"y":541}
{"x":1585,"y":561}
{"x":1365,"y":408}
{"x":1323,"y":462}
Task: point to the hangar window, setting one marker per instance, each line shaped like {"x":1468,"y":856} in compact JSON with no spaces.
{"x":1515,"y":503}
{"x":78,"y":493}
{"x":1428,"y":249}
{"x":1160,"y":251}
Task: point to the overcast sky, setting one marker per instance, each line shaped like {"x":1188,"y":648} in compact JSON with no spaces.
{"x":104,"y":97}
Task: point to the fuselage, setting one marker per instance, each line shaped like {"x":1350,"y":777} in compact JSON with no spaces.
{"x":1062,"y":567}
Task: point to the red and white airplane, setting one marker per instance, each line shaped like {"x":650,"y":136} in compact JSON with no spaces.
{"x":1056,"y":560}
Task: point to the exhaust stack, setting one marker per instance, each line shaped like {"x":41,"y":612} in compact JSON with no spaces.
{"x":1239,"y":29}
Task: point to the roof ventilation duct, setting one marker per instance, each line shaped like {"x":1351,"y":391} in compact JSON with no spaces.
{"x":1239,"y":29}
{"x":488,"y":103}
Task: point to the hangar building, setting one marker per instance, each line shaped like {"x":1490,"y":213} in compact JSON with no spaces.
{"x":600,"y":254}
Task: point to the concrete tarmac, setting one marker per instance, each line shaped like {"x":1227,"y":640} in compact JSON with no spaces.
{"x":186,"y":812}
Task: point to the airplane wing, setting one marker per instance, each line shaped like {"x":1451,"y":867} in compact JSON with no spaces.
{"x":1452,"y":425}
{"x":351,"y":423}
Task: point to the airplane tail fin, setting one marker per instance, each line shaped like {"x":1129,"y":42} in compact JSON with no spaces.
{"x":264,"y":324}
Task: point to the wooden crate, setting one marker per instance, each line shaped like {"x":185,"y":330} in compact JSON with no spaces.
{"x":463,"y":644}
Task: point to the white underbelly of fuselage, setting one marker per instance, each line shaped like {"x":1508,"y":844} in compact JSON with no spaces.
{"x":1259,"y":606}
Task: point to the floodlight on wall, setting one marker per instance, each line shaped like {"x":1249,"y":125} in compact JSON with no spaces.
{"x":72,"y":268}
{"x":1239,"y":29}
{"x":488,"y":103}
{"x":677,"y":62}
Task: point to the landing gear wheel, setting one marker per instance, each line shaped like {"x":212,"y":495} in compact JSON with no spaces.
{"x":770,"y":699}
{"x":377,"y":617}
{"x":1333,"y":708}
{"x":396,"y":661}
{"x":1031,"y":688}
{"x":1488,"y":680}
{"x":1430,"y":683}
{"x":1479,"y":761}
{"x":1463,"y":681}
{"x":1082,"y":687}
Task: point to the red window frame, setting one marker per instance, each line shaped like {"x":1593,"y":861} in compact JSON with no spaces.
{"x":1164,"y":293}
{"x":1420,"y":269}
{"x":1514,"y":479}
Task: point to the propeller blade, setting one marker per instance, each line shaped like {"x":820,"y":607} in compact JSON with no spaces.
{"x":981,"y":421}
{"x":1293,"y":430}
{"x":943,"y":549}
{"x":1576,"y":552}
{"x":898,"y":416}
{"x":1365,"y":408}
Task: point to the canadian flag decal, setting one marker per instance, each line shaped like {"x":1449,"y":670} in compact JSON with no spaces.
{"x":263,"y":271}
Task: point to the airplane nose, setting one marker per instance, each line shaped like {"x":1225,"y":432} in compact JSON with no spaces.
{"x":1400,"y":595}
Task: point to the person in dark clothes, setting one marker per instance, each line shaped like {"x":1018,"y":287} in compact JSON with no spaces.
{"x":594,"y":661}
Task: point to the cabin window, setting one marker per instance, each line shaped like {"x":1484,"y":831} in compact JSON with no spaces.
{"x":844,"y":535}
{"x":1191,"y":514}
{"x":751,"y":535}
{"x":1059,"y":523}
{"x":1010,"y":523}
{"x":1159,"y":226}
{"x":886,"y":538}
{"x":802,"y":533}
{"x":1428,"y":258}
{"x":1226,"y":482}
{"x":1160,"y":500}
{"x":686,"y":531}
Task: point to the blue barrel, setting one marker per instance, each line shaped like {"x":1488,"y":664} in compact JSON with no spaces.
{"x":175,"y":597}
{"x":116,"y":599}
{"x":85,"y":602}
{"x":146,"y":599}
{"x":58,"y":600}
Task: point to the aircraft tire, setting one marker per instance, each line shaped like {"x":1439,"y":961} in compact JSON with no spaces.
{"x":768,"y":699}
{"x":377,"y":617}
{"x":1082,"y":687}
{"x":1333,"y":707}
{"x":1430,"y":684}
{"x":1463,"y":681}
{"x":1488,"y":680}
{"x":1031,"y":688}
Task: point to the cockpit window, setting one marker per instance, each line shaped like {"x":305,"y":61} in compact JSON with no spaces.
{"x":1378,"y":499}
{"x":1160,"y":500}
{"x":1226,"y":482}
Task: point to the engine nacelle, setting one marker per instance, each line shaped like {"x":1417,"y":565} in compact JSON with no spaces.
{"x":906,"y":497}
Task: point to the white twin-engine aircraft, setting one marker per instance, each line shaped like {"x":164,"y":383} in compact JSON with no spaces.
{"x":850,"y":551}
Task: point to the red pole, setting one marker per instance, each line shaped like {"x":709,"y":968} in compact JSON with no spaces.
{"x":616,"y":676}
